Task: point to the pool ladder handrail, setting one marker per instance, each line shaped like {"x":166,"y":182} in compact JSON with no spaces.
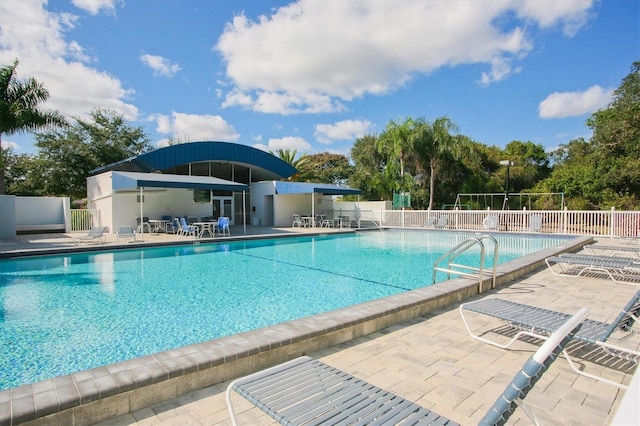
{"x":461,"y":248}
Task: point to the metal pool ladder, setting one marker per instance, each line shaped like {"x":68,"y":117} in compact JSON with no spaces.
{"x":465,"y":270}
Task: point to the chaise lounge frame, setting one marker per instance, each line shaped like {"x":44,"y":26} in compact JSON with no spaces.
{"x":619,"y":269}
{"x":540,"y":323}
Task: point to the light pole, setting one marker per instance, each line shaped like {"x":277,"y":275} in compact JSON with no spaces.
{"x":505,"y":204}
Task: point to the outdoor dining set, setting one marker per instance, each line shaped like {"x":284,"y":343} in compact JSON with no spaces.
{"x":185,"y":226}
{"x":320,"y":221}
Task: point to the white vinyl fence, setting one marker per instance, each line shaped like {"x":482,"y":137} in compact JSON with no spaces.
{"x":84,"y":219}
{"x":596,"y":223}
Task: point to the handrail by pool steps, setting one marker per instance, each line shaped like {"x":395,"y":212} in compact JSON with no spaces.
{"x":463,"y":270}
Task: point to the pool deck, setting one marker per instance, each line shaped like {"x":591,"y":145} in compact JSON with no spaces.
{"x":429,"y":359}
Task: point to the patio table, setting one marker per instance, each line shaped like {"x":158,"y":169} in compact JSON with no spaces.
{"x":159,"y":225}
{"x":208,"y":227}
{"x":307,"y":221}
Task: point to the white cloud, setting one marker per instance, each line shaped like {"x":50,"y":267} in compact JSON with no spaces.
{"x":573,"y":104}
{"x":193,"y":127}
{"x":37,"y":38}
{"x":310,"y":56}
{"x":570,"y":14}
{"x":10,"y":145}
{"x":288,"y":142}
{"x":160,"y":65}
{"x":95,"y":6}
{"x":342,"y":130}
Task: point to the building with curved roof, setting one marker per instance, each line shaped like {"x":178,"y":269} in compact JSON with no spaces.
{"x":201,"y":180}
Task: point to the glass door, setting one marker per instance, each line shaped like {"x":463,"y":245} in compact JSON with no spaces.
{"x":223,"y":206}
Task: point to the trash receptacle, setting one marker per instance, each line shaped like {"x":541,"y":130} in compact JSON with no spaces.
{"x":255,"y":221}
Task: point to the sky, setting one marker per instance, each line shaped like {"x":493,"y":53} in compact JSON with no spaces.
{"x":315,"y":75}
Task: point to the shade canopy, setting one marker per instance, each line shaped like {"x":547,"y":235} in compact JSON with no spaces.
{"x":123,"y":181}
{"x":309,"y":188}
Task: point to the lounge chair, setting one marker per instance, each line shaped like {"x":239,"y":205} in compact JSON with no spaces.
{"x":540,"y":323}
{"x":535,"y":223}
{"x":297,"y":221}
{"x":619,"y":269}
{"x":308,"y":391}
{"x":628,"y":250}
{"x":126,"y":233}
{"x":442,"y":222}
{"x":95,"y":235}
{"x":491,"y":222}
{"x":430,"y":222}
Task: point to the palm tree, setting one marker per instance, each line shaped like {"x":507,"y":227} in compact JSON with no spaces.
{"x":19,"y":111}
{"x":289,"y":157}
{"x":434,"y":142}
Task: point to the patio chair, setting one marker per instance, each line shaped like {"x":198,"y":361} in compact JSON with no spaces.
{"x":491,"y":222}
{"x":535,"y":223}
{"x":619,"y":269}
{"x":223,"y":226}
{"x":540,"y":323}
{"x":430,"y":222}
{"x":95,"y":235}
{"x":442,"y":222}
{"x":345,"y":221}
{"x":126,"y":233}
{"x":308,"y":391}
{"x":186,"y":229}
{"x":145,"y":223}
{"x":297,"y":221}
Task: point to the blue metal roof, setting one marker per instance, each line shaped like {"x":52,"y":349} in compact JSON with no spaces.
{"x":308,"y":188}
{"x":132,"y":180}
{"x":264,"y":166}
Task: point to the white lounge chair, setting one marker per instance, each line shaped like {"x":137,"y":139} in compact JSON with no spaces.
{"x":619,"y":269}
{"x":442,"y":222}
{"x":95,"y":235}
{"x":627,"y":250}
{"x":491,"y":222}
{"x":308,"y":391}
{"x":535,"y":223}
{"x":540,"y":323}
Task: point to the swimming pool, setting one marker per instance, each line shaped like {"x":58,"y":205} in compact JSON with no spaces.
{"x":62,"y":314}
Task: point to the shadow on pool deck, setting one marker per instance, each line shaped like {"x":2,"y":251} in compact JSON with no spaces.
{"x":412,"y":344}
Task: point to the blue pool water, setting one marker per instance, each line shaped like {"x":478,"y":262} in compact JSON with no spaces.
{"x":61,"y":314}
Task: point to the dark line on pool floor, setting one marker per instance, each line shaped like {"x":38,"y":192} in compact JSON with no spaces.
{"x":321,"y":270}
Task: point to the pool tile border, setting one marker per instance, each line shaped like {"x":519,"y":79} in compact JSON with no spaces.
{"x":95,"y":395}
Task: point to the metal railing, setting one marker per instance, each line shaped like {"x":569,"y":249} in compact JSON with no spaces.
{"x":466,"y":270}
{"x":596,"y":223}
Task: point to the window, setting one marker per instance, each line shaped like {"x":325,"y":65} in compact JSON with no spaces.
{"x":201,"y":195}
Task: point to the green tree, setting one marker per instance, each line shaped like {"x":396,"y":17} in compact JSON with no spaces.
{"x":326,"y":168}
{"x":19,"y":112}
{"x":289,"y":157}
{"x":68,"y":155}
{"x":23,"y":174}
{"x":434,"y":144}
{"x":368,"y":170}
{"x":396,"y":144}
{"x":530,"y":164}
{"x":604,"y":172}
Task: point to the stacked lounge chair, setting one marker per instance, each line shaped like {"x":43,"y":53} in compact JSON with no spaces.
{"x":618,"y":269}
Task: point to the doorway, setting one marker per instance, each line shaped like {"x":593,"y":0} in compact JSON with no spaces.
{"x":223,"y":206}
